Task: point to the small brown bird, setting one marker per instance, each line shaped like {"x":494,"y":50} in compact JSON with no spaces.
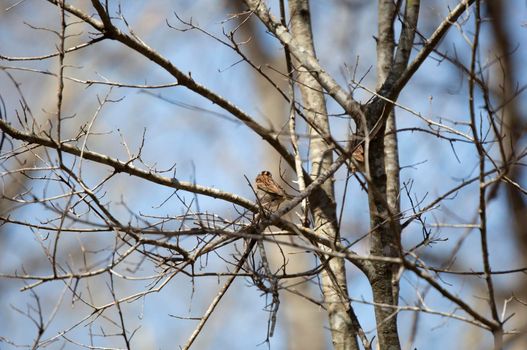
{"x":269,"y":191}
{"x":358,"y":156}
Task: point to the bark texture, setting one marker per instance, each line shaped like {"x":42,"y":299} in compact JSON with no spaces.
{"x":323,"y":207}
{"x":383,"y":167}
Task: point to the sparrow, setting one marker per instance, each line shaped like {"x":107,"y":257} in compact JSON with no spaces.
{"x":358,"y":156}
{"x":268,"y":190}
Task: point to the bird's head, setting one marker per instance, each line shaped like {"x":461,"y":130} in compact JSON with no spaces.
{"x":266,"y":173}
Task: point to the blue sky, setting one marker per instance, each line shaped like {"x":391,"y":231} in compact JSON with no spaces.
{"x":218,"y":153}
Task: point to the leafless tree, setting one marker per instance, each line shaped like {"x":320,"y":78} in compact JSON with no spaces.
{"x":132,"y":133}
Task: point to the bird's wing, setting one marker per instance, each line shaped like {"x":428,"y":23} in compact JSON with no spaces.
{"x":269,"y":187}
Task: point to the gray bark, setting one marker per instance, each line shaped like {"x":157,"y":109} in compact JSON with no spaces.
{"x":323,"y":208}
{"x":384,"y":188}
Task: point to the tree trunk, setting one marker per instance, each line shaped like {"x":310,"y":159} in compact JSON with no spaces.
{"x":323,"y":208}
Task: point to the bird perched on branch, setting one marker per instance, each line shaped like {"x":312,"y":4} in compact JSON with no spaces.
{"x":269,"y":192}
{"x":358,"y":156}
